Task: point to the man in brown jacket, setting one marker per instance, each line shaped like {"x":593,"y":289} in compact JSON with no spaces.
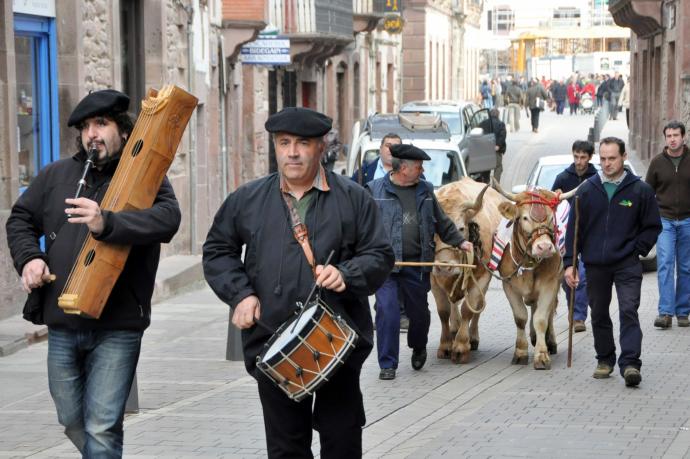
{"x":669,"y":176}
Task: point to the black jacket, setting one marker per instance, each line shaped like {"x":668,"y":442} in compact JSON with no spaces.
{"x":569,"y":180}
{"x":344,"y":219}
{"x":616,"y":231}
{"x":559,"y":92}
{"x":40,"y":211}
{"x":493,"y":125}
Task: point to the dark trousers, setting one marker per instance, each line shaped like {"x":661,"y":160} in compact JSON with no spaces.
{"x":628,"y":281}
{"x":413,"y":285}
{"x":560,"y":105}
{"x":336,"y":411}
{"x":534,"y":116}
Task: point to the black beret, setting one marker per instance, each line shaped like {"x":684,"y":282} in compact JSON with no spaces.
{"x":405,"y":151}
{"x":98,"y":103}
{"x":299,"y":121}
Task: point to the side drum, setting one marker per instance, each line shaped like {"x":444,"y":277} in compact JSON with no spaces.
{"x":307,"y":350}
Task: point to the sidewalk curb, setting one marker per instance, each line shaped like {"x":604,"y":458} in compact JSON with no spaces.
{"x":176,"y":274}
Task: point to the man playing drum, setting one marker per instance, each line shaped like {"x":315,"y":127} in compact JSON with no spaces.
{"x":336,"y":215}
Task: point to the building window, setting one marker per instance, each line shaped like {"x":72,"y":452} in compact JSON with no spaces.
{"x":566,"y":17}
{"x":600,"y":13}
{"x":501,"y":20}
{"x":132,"y":49}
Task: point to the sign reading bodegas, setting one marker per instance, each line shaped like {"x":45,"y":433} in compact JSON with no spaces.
{"x":267,"y":50}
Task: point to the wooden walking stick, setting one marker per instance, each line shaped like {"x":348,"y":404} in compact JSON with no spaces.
{"x":572,"y":289}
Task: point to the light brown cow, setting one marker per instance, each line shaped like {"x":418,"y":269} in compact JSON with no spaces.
{"x":531,"y":269}
{"x":474,"y":209}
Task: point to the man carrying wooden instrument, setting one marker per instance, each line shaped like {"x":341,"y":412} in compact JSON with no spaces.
{"x":340,"y":217}
{"x":411,"y":217}
{"x":91,"y":362}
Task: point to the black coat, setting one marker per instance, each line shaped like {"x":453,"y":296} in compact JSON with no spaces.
{"x":615,"y":231}
{"x":40,"y":211}
{"x":344,"y":219}
{"x":493,"y":125}
{"x":569,"y":180}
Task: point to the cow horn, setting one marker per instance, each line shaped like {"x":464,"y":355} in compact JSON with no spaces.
{"x":568,"y":195}
{"x":477,"y":204}
{"x":498,"y":188}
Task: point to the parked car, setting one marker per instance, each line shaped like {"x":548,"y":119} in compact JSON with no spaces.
{"x":463,"y":118}
{"x":543,"y":175}
{"x":427,"y":132}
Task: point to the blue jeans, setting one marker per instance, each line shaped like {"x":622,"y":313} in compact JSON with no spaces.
{"x":673,"y":267}
{"x":90,"y":374}
{"x":581,"y":301}
{"x":413,"y":286}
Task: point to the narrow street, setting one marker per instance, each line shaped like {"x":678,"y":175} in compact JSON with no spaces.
{"x":194,"y":403}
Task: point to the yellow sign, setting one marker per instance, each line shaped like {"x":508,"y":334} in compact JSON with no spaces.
{"x":392,"y":6}
{"x":393,"y":23}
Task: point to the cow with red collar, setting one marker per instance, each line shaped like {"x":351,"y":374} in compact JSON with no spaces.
{"x":531,"y":269}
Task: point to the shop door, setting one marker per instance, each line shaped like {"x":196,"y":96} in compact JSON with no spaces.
{"x":36,"y":77}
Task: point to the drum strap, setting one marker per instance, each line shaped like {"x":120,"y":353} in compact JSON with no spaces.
{"x":299,"y":229}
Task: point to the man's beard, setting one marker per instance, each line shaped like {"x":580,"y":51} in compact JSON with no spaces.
{"x":101,"y":162}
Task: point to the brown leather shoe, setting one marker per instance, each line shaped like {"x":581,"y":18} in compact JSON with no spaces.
{"x":602,"y":371}
{"x":632,"y":376}
{"x":579,"y":326}
{"x":663,"y":321}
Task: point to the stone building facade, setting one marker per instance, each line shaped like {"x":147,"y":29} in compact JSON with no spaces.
{"x":660,"y":68}
{"x":439,"y":62}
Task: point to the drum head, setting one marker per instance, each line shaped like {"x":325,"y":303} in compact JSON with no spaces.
{"x":286,"y":334}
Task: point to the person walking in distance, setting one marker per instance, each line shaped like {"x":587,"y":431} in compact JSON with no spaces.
{"x":493,"y":125}
{"x":536,"y":100}
{"x":619,"y":221}
{"x":669,"y":177}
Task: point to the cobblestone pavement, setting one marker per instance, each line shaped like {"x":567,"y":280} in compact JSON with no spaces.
{"x":194,"y":403}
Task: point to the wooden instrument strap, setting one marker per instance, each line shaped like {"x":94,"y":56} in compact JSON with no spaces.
{"x":300,"y":232}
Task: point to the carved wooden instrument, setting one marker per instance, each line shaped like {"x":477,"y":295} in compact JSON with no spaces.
{"x":145,"y":159}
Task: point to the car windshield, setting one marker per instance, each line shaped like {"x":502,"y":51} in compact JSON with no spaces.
{"x":547,"y":175}
{"x":439,"y":171}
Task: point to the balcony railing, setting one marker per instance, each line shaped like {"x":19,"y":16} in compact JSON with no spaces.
{"x":304,"y":17}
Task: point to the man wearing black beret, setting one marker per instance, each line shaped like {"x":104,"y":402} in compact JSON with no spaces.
{"x":411,"y":216}
{"x":91,"y":362}
{"x":311,"y":213}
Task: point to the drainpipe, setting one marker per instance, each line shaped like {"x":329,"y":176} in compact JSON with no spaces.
{"x":192,"y":131}
{"x":221,"y":131}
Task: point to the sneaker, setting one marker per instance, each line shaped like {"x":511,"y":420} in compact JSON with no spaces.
{"x":663,"y":321}
{"x":683,"y":321}
{"x":579,"y":326}
{"x":603,"y":371}
{"x":632,"y":376}
{"x":387,"y":374}
{"x":418,"y":358}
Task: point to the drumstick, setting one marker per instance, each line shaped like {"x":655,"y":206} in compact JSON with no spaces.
{"x":263,"y":325}
{"x":313,"y":289}
{"x":48,"y":278}
{"x":433,"y":263}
